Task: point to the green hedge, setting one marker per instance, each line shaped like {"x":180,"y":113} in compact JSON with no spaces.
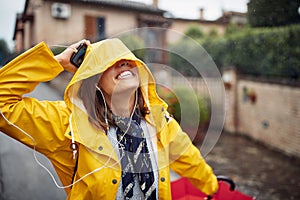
{"x":266,"y":52}
{"x":187,"y":102}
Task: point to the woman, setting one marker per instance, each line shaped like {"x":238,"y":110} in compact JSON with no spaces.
{"x":111,"y":137}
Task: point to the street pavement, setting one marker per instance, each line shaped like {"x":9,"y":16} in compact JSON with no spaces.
{"x":257,"y":170}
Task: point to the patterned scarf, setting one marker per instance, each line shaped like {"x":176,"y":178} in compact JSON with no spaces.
{"x":135,"y":158}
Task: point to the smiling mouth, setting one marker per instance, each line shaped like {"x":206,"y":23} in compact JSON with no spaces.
{"x":124,"y":75}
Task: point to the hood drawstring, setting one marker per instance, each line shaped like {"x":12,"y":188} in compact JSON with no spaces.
{"x":73,"y":146}
{"x":167,"y":116}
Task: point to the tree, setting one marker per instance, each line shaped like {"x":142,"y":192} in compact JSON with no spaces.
{"x":190,"y":48}
{"x":263,"y":13}
{"x":4,"y":51}
{"x":195,"y":32}
{"x":213,"y":33}
{"x":233,"y":28}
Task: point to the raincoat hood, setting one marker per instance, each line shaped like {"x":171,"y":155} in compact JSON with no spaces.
{"x":99,"y":57}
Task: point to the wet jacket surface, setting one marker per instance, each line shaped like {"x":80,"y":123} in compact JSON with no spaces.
{"x":51,"y":124}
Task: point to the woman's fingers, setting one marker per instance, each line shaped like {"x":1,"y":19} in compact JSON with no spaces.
{"x":64,"y":57}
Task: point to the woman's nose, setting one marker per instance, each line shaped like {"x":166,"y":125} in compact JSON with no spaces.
{"x":125,"y":64}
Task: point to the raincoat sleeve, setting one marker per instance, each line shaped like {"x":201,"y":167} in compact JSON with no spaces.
{"x":188,"y":161}
{"x":42,"y":122}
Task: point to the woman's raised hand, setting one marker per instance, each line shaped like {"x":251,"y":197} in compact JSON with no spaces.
{"x":64,"y":57}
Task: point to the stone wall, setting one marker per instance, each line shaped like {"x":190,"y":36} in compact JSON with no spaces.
{"x":266,"y":112}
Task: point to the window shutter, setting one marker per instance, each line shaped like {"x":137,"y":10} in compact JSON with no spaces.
{"x":90,"y":28}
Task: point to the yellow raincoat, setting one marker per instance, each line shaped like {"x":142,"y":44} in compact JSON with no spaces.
{"x":51,"y":124}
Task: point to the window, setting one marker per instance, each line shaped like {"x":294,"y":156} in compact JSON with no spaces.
{"x":100,"y":28}
{"x":94,"y":28}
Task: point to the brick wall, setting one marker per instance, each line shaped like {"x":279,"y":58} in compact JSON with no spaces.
{"x":274,"y":118}
{"x":267,"y":112}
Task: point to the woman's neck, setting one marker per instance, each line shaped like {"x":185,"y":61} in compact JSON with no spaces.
{"x":122,"y":104}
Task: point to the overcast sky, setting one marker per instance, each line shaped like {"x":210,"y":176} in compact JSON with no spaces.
{"x":190,"y":8}
{"x":181,"y":8}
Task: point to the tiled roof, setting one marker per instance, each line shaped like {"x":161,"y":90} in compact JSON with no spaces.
{"x":126,"y":4}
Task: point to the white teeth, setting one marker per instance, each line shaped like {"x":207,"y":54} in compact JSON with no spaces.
{"x":125,"y":74}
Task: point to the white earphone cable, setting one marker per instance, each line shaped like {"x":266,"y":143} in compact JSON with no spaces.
{"x":73,"y":141}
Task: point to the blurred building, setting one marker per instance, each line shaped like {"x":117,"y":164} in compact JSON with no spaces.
{"x":63,"y":22}
{"x":66,"y":21}
{"x":231,"y":17}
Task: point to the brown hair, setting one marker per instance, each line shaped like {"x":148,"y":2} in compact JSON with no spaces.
{"x":96,"y":112}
